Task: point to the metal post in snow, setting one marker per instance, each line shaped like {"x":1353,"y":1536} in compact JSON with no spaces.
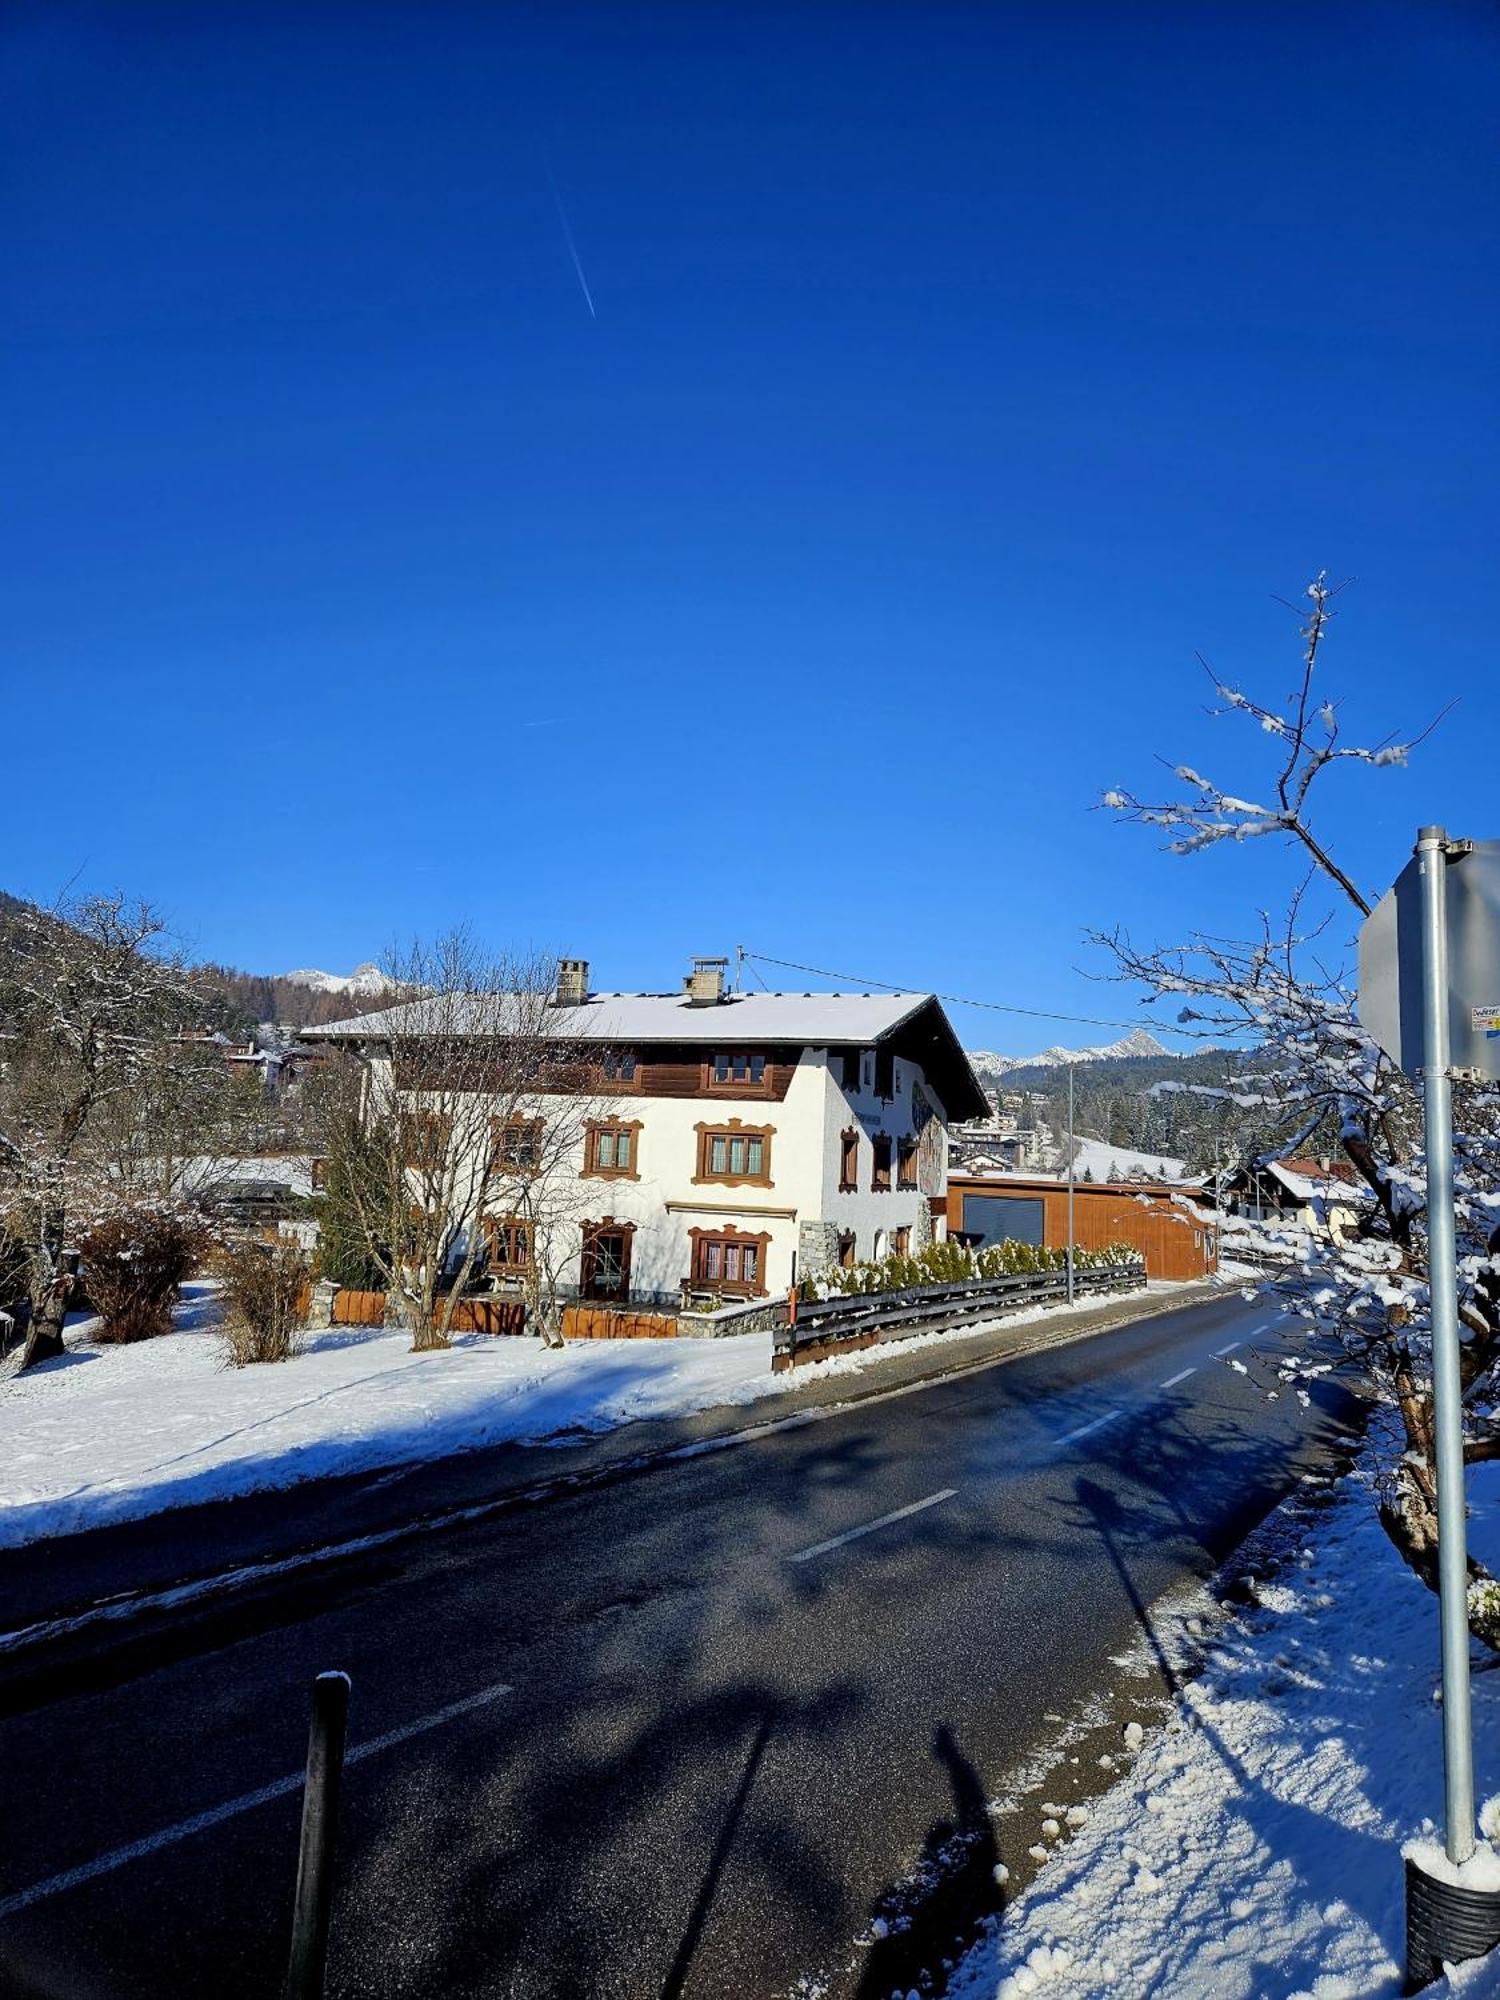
{"x":320,"y":1815}
{"x":1447,"y":1393}
{"x":1070,"y":1184}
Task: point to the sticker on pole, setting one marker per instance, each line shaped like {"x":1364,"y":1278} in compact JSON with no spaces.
{"x":1390,"y":963}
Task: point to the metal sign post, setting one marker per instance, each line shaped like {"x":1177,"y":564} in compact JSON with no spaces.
{"x":1429,"y":994}
{"x":1447,"y":1390}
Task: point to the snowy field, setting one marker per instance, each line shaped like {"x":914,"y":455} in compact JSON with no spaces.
{"x":112,"y":1433}
{"x":1253,"y":1849}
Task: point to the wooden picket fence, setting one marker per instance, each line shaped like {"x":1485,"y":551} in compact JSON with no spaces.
{"x":612,"y":1323}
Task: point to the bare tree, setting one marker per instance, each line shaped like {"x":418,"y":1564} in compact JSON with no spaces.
{"x":474,"y":1103}
{"x":1312,"y":1070}
{"x":93,"y":1010}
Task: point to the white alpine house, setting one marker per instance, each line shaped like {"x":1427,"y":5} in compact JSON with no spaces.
{"x":735,"y":1142}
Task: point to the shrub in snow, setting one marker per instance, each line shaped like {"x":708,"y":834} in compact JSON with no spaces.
{"x":134,"y":1264}
{"x":950,"y":1263}
{"x":265,"y":1298}
{"x":1361,"y":1273}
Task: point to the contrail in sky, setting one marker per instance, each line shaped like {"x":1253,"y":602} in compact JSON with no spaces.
{"x":562,"y":216}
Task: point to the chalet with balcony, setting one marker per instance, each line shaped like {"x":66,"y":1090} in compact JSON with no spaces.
{"x":737,"y":1141}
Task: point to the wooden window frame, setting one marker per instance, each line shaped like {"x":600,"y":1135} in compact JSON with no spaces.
{"x":731,"y":1129}
{"x":726,"y":1239}
{"x":419,"y":1125}
{"x":849,"y":1160}
{"x":848,"y":1250}
{"x":507,"y":1228}
{"x":592,"y":1231}
{"x":731,"y":1086}
{"x":625,"y":1075}
{"x":881,"y":1142}
{"x":853,"y":1067}
{"x":906,"y":1164}
{"x":901,"y":1240}
{"x":499,"y":1128}
{"x":616,"y":1128}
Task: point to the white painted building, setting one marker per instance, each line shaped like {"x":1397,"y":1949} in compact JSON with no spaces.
{"x":736,"y":1142}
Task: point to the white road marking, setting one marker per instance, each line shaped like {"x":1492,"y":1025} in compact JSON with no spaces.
{"x":184,"y":1829}
{"x":1083,"y":1430}
{"x":869,"y":1527}
{"x":1220,"y":1352}
{"x":1182,"y":1375}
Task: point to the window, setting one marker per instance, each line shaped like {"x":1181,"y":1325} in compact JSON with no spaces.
{"x":901,"y":1242}
{"x":518,"y":1144}
{"x":885,"y":1071}
{"x":741,"y":1067}
{"x":510,"y":1243}
{"x":618,"y":1065}
{"x":851,"y":1068}
{"x":880,"y":1172}
{"x":428,"y":1137}
{"x":609,"y":1149}
{"x":846,"y":1250}
{"x":727,"y":1261}
{"x":848,"y":1162}
{"x":906,"y":1164}
{"x":735,"y":1152}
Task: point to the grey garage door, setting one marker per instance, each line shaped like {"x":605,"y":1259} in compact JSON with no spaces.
{"x":1004,"y":1217}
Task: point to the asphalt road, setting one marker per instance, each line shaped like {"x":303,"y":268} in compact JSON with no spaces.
{"x":680,"y":1735}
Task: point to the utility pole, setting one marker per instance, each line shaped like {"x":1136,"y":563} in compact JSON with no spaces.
{"x":1070,"y":1183}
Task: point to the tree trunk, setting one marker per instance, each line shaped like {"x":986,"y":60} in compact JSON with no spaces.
{"x":1408,"y":1514}
{"x":44,"y":1338}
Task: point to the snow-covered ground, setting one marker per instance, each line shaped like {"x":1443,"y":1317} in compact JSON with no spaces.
{"x":1094,"y":1157}
{"x":1254,"y":1846}
{"x":112,"y":1433}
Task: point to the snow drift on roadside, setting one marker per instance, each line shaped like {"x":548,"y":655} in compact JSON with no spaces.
{"x":1254,"y":1847}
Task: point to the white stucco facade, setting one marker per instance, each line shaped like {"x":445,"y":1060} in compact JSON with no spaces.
{"x":853,"y":1138}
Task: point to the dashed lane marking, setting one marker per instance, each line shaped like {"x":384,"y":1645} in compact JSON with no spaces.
{"x":869,"y":1527}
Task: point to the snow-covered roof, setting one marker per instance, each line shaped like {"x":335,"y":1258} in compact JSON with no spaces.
{"x":798,"y":1020}
{"x":1320,"y":1185}
{"x":820,"y":1020}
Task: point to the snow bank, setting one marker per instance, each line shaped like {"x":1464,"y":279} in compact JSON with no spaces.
{"x":1255,"y":1845}
{"x":111,"y":1433}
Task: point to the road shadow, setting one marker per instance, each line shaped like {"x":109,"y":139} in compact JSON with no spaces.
{"x":958,"y":1862}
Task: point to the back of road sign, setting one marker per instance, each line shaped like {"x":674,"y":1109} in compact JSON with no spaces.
{"x":1390,"y":964}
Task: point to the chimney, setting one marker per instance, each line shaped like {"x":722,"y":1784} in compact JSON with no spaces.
{"x":572,"y":982}
{"x":704,"y":985}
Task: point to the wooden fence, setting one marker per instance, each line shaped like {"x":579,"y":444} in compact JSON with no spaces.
{"x":844,"y":1324}
{"x":615,"y":1323}
{"x":352,"y":1308}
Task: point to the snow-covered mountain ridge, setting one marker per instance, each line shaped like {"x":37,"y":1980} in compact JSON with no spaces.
{"x":363,"y":979}
{"x":1136,"y":1043}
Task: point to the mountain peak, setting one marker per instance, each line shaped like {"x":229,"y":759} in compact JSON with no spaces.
{"x":366,"y":978}
{"x":1135,"y":1043}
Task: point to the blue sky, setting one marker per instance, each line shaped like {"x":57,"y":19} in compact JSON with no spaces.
{"x":958,"y":373}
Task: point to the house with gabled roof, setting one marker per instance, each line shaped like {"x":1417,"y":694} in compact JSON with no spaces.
{"x":736,"y":1142}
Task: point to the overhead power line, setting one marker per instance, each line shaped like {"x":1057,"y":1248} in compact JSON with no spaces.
{"x":952,"y":999}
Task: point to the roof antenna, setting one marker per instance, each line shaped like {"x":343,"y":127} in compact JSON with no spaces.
{"x":739,"y":968}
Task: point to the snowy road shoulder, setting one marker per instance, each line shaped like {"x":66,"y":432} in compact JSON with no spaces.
{"x":1254,"y":1846}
